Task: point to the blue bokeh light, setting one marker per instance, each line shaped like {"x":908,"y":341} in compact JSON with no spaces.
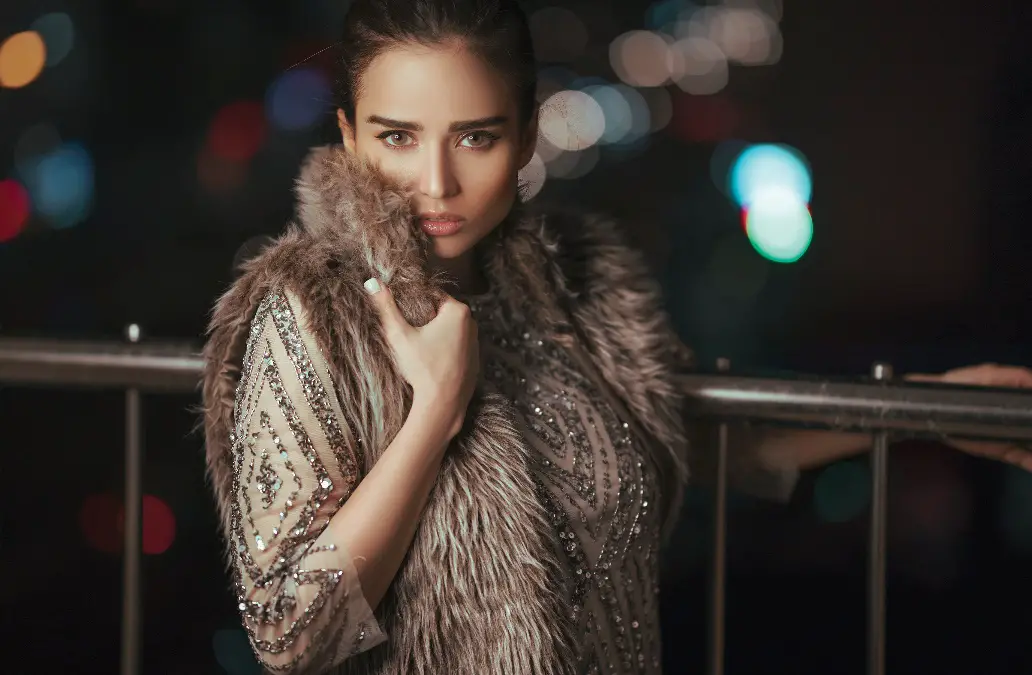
{"x":61,"y":184}
{"x":764,"y":167}
{"x":58,"y":34}
{"x":298,"y":98}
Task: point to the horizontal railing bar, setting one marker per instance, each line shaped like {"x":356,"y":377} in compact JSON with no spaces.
{"x":920,"y":409}
{"x":923,"y":410}
{"x":154,"y":367}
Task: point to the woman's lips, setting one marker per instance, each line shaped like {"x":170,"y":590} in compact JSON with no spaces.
{"x":439,"y":228}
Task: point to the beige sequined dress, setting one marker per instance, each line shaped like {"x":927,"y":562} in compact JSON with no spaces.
{"x":297,"y":588}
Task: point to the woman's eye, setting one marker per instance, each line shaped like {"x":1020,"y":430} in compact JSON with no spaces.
{"x":394,"y":139}
{"x":481,"y":139}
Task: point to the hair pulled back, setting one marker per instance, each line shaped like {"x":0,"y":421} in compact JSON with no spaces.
{"x":495,"y":30}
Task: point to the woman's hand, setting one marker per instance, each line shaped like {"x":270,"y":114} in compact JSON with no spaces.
{"x":987,"y":375}
{"x":441,"y":360}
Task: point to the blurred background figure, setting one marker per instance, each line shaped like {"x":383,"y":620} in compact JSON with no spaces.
{"x":818,"y":185}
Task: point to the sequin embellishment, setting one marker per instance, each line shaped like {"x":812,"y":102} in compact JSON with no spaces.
{"x":597,"y":487}
{"x":291,"y":486}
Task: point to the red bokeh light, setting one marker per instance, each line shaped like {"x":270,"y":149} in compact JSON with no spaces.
{"x":159,"y":525}
{"x":238,"y":131}
{"x":14,"y":209}
{"x":704,"y":119}
{"x":102,"y":521}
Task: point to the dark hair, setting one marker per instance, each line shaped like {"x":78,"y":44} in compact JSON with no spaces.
{"x":495,"y":30}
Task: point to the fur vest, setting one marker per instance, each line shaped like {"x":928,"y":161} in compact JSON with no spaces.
{"x":570,"y":275}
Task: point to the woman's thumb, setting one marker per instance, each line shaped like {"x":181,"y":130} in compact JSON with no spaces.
{"x":384,"y":301}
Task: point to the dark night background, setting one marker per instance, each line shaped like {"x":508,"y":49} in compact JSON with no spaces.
{"x":916,"y":119}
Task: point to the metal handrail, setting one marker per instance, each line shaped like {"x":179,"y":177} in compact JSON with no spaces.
{"x":880,"y":406}
{"x":916,"y":408}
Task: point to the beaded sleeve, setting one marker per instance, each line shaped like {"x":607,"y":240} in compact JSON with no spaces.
{"x":293,"y":467}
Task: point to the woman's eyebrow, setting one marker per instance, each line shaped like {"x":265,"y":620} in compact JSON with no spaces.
{"x":468,"y":125}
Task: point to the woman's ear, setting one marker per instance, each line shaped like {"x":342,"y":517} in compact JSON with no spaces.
{"x":347,"y":132}
{"x":528,"y":142}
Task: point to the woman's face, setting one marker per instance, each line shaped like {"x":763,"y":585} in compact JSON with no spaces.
{"x":443,"y":121}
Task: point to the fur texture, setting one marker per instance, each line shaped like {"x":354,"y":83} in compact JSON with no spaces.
{"x":476,"y":593}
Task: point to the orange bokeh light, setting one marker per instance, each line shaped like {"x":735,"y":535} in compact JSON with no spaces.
{"x":22,"y":57}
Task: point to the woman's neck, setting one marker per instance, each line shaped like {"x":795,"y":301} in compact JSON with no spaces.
{"x":465,"y":271}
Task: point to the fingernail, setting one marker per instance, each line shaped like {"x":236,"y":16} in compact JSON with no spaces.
{"x":372,"y":285}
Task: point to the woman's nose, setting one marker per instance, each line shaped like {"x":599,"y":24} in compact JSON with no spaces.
{"x":437,"y":179}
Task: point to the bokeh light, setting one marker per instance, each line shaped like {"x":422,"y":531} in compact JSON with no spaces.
{"x":238,"y":131}
{"x":842,"y":491}
{"x":102,"y":522}
{"x":61,"y":185}
{"x":533,"y":177}
{"x":58,"y":33}
{"x":14,"y":209}
{"x":641,"y":58}
{"x":763,"y":167}
{"x":779,"y":225}
{"x":159,"y":525}
{"x":571,"y":120}
{"x":747,"y":36}
{"x":662,"y":14}
{"x":698,"y":66}
{"x":22,"y":58}
{"x":627,"y":116}
{"x":298,"y":99}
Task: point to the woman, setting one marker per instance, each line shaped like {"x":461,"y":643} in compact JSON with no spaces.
{"x":410,"y":483}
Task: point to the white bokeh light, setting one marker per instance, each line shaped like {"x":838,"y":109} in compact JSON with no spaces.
{"x":533,"y":177}
{"x":639,"y":58}
{"x":746,"y":36}
{"x":701,"y":68}
{"x":571,"y":120}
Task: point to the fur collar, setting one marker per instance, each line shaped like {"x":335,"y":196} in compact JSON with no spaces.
{"x":574,"y":278}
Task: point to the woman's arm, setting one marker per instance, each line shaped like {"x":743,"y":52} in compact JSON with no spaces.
{"x":765,"y":462}
{"x":316,"y":545}
{"x":805,"y":449}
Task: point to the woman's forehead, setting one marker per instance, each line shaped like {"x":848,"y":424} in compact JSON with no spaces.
{"x":433,"y":86}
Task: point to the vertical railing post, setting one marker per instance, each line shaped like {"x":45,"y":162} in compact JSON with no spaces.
{"x":719,"y":561}
{"x":133,"y":544}
{"x":877,"y":546}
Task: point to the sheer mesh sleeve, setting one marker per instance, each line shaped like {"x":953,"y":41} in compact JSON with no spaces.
{"x":295,"y":463}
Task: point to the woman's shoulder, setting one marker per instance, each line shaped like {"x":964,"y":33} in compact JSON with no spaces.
{"x":580,"y":227}
{"x":593,"y":248}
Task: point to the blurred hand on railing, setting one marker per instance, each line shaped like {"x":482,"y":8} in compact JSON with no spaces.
{"x":987,"y":375}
